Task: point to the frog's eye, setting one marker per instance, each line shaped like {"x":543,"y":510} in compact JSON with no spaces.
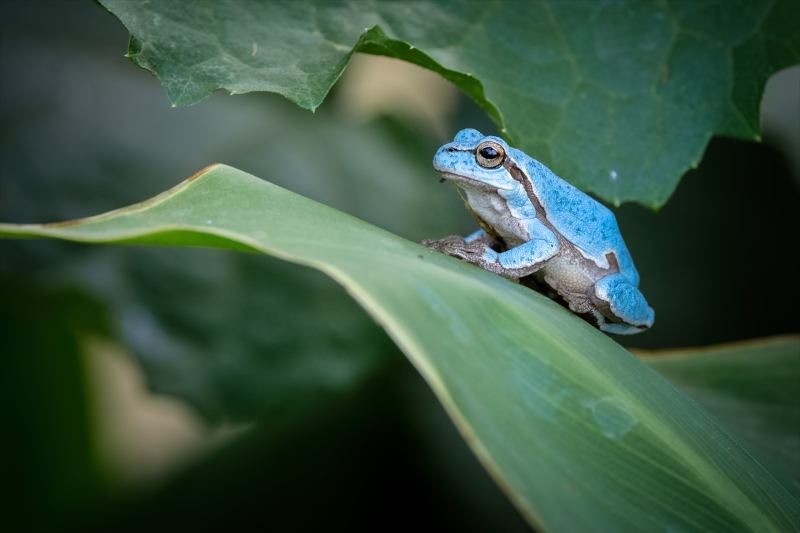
{"x":490,"y":154}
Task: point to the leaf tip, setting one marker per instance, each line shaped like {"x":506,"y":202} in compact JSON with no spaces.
{"x":209,"y":168}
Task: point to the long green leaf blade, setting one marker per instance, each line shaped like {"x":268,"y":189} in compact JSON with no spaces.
{"x":580,"y":434}
{"x":753,"y":388}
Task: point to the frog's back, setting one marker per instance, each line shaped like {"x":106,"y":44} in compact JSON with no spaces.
{"x":580,"y":219}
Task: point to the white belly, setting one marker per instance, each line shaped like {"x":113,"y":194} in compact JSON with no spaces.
{"x":493,"y":209}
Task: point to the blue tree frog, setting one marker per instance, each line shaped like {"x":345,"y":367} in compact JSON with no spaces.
{"x":533,"y":223}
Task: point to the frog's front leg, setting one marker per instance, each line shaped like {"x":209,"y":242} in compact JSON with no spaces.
{"x":623,"y":305}
{"x":515,"y":263}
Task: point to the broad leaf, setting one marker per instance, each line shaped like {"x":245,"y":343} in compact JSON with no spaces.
{"x":580,"y":434}
{"x":753,"y":388}
{"x":619,"y":98}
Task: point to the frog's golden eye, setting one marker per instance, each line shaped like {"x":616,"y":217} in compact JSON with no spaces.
{"x":490,"y":154}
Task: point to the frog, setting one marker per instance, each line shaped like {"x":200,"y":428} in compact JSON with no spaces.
{"x":536,"y":226}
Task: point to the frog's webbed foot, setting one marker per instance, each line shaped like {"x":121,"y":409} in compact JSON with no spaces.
{"x":456,"y":246}
{"x":512,"y":264}
{"x":476,"y":251}
{"x":477,"y":238}
{"x":442,"y":245}
{"x":622,"y":309}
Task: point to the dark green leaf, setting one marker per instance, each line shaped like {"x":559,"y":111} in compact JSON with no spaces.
{"x":619,"y":98}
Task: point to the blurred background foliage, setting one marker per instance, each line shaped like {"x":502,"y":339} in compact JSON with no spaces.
{"x":137,"y":381}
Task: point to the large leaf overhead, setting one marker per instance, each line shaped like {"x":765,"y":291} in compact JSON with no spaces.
{"x":619,"y":98}
{"x":582,"y":436}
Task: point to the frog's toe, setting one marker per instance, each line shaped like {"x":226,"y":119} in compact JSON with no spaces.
{"x":443,"y":245}
{"x":626,"y":303}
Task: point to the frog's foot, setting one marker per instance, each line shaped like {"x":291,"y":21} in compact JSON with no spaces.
{"x":456,"y":246}
{"x":476,"y":252}
{"x":621,"y":308}
{"x":453,"y":242}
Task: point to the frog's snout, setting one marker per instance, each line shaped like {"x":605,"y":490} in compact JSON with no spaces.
{"x":444,"y":158}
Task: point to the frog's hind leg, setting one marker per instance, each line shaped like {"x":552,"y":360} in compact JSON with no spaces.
{"x":623,"y":305}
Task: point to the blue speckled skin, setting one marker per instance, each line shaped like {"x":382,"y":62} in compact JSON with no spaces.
{"x":567,"y":242}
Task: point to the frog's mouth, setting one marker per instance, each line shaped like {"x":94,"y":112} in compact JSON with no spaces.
{"x":465,"y":179}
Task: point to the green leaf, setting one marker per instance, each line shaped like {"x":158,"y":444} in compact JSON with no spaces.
{"x":619,"y":98}
{"x":234,"y":327}
{"x":579,"y":433}
{"x":754,"y":390}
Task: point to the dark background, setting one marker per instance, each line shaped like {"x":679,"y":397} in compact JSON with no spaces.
{"x":84,"y":131}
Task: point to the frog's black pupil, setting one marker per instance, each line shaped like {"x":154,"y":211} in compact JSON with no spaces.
{"x":488,"y":152}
